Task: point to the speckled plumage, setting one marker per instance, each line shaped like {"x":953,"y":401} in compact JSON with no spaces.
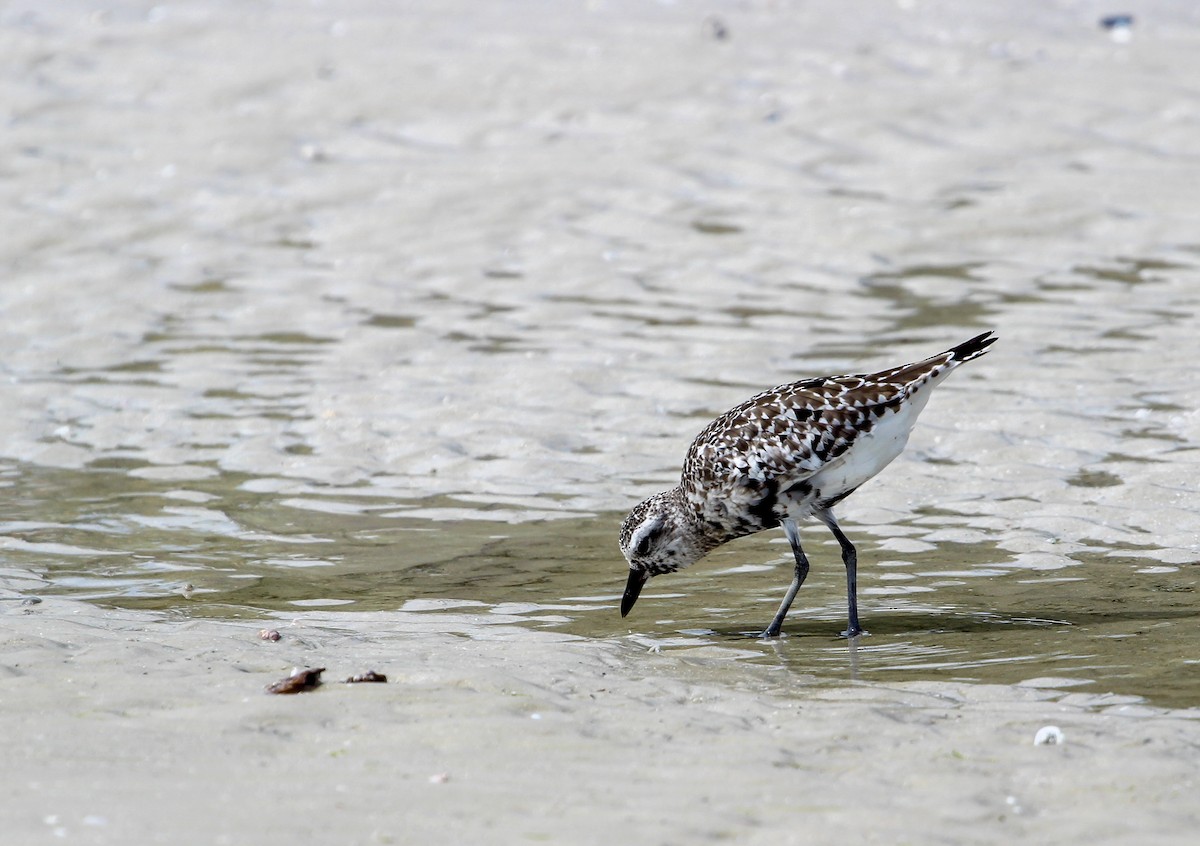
{"x":784,"y":454}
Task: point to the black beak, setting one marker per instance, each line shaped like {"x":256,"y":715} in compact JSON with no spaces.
{"x":633,"y":587}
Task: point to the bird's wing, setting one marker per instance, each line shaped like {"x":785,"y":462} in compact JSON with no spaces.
{"x":790,"y":432}
{"x":784,"y":436}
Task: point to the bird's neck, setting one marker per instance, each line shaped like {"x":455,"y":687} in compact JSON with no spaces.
{"x":705,"y":535}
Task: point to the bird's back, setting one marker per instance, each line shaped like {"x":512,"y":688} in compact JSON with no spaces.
{"x":818,"y":439}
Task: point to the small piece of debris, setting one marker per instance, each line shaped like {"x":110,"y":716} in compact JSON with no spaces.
{"x":269,"y":634}
{"x":439,"y":778}
{"x":368,"y":676}
{"x":299,"y":681}
{"x":716,"y":28}
{"x":1049,"y":736}
{"x":1115,"y":21}
{"x":1120,"y":27}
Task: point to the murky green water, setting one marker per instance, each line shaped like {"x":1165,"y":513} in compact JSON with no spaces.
{"x":957,"y":611}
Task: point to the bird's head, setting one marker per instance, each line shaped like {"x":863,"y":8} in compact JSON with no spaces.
{"x":659,"y":536}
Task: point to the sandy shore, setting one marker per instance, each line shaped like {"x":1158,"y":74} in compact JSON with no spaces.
{"x":131,"y":729}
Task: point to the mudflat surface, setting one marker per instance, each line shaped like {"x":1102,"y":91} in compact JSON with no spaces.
{"x":366,"y":322}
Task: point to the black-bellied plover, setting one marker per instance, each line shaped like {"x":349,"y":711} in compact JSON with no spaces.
{"x":785,"y":454}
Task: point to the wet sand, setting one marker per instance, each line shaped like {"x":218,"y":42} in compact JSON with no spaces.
{"x":126,"y":728}
{"x":366,"y":322}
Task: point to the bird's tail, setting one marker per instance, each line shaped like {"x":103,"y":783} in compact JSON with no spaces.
{"x":973,"y":348}
{"x":936,"y":368}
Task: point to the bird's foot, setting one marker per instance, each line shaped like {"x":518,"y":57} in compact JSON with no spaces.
{"x":854,"y":632}
{"x":770,"y":632}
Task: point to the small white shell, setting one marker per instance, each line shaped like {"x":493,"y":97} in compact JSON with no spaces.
{"x":1049,"y":736}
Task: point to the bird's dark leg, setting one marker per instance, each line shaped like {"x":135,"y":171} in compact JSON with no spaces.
{"x":801,"y":573}
{"x":850,"y":559}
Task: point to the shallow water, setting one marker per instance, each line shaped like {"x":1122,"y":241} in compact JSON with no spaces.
{"x":956,"y":611}
{"x":302,"y":334}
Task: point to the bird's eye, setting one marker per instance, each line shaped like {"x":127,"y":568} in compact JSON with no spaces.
{"x":648,"y":539}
